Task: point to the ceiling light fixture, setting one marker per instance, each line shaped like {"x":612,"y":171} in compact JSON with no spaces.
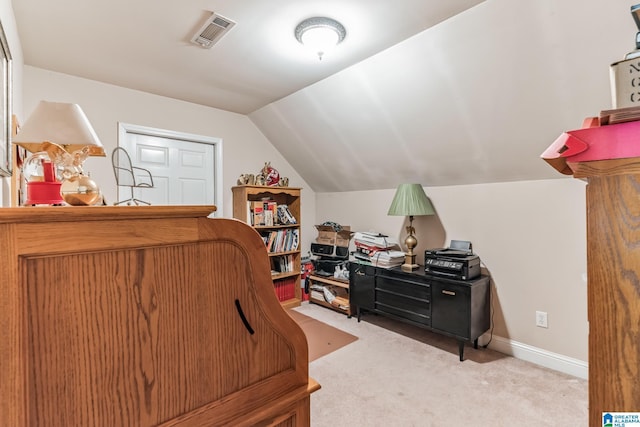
{"x":320,"y":34}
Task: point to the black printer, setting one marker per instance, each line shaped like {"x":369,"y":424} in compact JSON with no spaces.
{"x":457,"y":261}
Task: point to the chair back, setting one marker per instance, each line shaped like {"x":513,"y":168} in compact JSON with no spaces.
{"x":122,"y":167}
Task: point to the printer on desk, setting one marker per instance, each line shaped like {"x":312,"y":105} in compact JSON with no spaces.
{"x":457,"y":261}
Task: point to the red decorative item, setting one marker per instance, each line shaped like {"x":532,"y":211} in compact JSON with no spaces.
{"x":43,"y":187}
{"x":306,"y":270}
{"x":43,"y":193}
{"x":271,"y":175}
{"x":593,"y":142}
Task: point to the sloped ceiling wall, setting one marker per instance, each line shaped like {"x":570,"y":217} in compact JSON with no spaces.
{"x":475,"y":99}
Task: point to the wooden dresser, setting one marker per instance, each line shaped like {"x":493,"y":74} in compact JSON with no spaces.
{"x":143,"y":316}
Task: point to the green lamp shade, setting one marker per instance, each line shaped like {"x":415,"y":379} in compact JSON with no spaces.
{"x":410,"y":200}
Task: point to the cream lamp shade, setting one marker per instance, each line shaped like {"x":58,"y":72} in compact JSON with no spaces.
{"x":63,"y":124}
{"x":410,"y":200}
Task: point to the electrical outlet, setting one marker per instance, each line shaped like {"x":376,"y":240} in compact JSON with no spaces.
{"x":541,"y":319}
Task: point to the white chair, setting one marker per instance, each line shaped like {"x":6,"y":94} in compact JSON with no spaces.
{"x":130,"y":176}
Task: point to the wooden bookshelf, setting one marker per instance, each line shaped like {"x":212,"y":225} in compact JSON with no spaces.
{"x":285,"y":256}
{"x":339,"y":287}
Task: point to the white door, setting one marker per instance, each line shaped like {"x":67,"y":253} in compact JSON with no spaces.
{"x":185,"y":168}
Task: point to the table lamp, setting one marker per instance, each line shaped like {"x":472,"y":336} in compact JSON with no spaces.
{"x":64,"y":132}
{"x":410,"y":200}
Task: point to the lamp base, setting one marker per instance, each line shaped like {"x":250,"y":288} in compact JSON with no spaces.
{"x":409,"y":267}
{"x":409,"y":262}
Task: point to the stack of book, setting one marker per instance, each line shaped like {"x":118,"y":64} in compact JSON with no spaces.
{"x":378,"y":249}
{"x":285,"y":289}
{"x":281,"y":264}
{"x":268,"y":213}
{"x":388,"y":259}
{"x":284,"y":240}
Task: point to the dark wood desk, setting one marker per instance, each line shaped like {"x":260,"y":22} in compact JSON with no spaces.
{"x":456,"y":308}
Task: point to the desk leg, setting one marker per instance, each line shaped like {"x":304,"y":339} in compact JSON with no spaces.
{"x":461,"y":349}
{"x":475,"y":343}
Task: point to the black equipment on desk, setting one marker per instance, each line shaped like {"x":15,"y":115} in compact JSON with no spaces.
{"x":457,"y":261}
{"x":330,"y":251}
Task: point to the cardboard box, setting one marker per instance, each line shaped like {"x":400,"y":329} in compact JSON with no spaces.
{"x":328,"y":236}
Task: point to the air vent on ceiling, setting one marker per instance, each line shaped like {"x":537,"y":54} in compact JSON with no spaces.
{"x":213,"y":29}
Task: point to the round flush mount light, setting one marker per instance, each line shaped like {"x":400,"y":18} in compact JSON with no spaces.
{"x":320,"y":34}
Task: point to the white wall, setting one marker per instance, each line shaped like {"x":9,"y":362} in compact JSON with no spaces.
{"x":245,"y":149}
{"x":11,"y":32}
{"x":473,"y":99}
{"x":531,"y":236}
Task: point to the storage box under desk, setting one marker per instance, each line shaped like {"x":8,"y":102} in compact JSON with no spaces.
{"x":339,"y":288}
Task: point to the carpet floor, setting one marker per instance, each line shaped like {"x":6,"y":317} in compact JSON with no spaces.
{"x":397,"y":375}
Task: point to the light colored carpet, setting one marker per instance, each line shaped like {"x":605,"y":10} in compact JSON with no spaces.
{"x":413,"y":378}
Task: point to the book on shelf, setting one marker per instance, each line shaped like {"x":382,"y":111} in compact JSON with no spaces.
{"x":284,"y":215}
{"x":270,"y":242}
{"x":269,"y":213}
{"x":285,"y":289}
{"x":268,"y":218}
{"x":284,"y":240}
{"x":295,"y":239}
{"x":282,"y":264}
{"x":257,"y":209}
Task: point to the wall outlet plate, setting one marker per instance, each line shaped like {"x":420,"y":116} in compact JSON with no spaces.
{"x":541,"y":319}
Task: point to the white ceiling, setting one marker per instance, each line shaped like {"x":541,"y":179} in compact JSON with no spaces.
{"x":440,"y":92}
{"x":145,"y":44}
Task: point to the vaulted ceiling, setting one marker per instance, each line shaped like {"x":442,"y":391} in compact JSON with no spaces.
{"x":440,"y":92}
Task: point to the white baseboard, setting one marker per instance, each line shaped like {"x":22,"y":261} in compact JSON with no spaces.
{"x":555,"y":361}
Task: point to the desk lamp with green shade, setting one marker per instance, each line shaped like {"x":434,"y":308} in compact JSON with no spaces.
{"x":410,"y":200}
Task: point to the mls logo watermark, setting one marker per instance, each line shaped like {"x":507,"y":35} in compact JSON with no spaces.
{"x":621,"y":419}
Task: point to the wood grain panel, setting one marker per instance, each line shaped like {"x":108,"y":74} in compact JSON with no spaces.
{"x":108,"y":234}
{"x":136,"y":322}
{"x":605,"y":167}
{"x":613,"y":258}
{"x":52,"y":214}
{"x":12,"y":364}
{"x":135,"y":340}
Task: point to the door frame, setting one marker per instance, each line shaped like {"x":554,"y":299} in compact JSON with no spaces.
{"x":126,"y":128}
